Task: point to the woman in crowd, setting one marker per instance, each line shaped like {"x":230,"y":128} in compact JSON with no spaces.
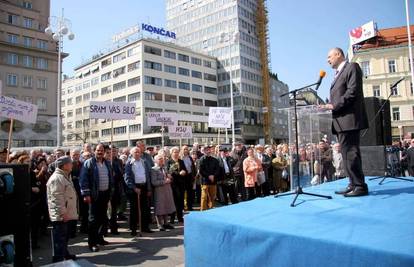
{"x":163,"y":196}
{"x":279,"y":164}
{"x":189,"y":178}
{"x":251,"y":167}
{"x":176,"y":168}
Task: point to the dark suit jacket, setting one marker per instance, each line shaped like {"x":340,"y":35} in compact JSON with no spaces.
{"x":347,"y":99}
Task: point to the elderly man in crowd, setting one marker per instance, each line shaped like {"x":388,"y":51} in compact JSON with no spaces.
{"x":209,"y":172}
{"x":62,"y":202}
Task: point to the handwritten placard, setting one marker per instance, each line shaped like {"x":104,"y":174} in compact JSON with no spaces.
{"x":180,"y":132}
{"x":162,"y":118}
{"x":18,"y":110}
{"x":112,"y":110}
{"x":219,"y":117}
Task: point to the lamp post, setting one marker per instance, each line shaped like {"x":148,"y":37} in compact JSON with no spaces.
{"x":59,"y":27}
{"x":233,"y":37}
{"x":400,"y":128}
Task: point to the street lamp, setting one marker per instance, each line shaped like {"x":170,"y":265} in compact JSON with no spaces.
{"x":233,"y":38}
{"x":400,"y":128}
{"x":59,"y":27}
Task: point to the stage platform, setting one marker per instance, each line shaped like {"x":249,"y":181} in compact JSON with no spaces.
{"x":375,"y":230}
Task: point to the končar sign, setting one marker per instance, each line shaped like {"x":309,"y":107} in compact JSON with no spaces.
{"x":156,"y":30}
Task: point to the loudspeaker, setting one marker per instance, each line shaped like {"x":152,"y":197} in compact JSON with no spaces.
{"x":379,"y":130}
{"x":373,"y":160}
{"x":15,"y":211}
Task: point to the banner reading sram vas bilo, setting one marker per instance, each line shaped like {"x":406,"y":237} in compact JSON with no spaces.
{"x":112,"y":110}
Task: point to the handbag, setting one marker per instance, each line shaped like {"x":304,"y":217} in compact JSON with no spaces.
{"x":261,"y":177}
{"x":285,"y":174}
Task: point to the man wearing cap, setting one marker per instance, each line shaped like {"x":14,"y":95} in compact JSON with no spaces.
{"x":209,"y":171}
{"x":62,"y":205}
{"x":227,"y":176}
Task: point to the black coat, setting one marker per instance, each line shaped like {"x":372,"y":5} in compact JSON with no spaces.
{"x":347,"y":98}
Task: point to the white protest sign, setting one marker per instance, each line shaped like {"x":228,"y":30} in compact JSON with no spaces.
{"x":112,"y":110}
{"x":162,"y":118}
{"x":219,"y":117}
{"x":18,"y":110}
{"x":180,"y":132}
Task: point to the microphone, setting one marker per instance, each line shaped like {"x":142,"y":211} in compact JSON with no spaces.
{"x":321,"y":76}
{"x":397,"y":82}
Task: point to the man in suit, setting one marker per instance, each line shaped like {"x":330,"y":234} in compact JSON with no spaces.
{"x":348,"y":118}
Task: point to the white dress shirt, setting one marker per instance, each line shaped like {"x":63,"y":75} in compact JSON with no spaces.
{"x":138,"y":169}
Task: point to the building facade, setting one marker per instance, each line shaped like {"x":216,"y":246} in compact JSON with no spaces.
{"x":28,"y":70}
{"x":384,"y":59}
{"x":158,"y":77}
{"x":279,"y":117}
{"x":229,"y":31}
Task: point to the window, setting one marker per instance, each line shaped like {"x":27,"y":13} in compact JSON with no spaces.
{"x":28,"y":22}
{"x":197,"y":88}
{"x":184,"y":100}
{"x":27,"y":5}
{"x":394,"y":91}
{"x":78,"y":99}
{"x":119,"y":86}
{"x":12,"y":38}
{"x":170,"y":83}
{"x":12,"y":79}
{"x":207,"y":63}
{"x":29,"y":99}
{"x":197,"y":102}
{"x":106,"y":62}
{"x":170,"y":69}
{"x":133,"y":51}
{"x":95,"y":94}
{"x":118,"y":57}
{"x":42,"y":103}
{"x":365,"y":68}
{"x":135,"y":128}
{"x":209,"y":103}
{"x":13,"y":19}
{"x":42,"y":83}
{"x":152,"y":50}
{"x":396,"y":113}
{"x":105,"y":90}
{"x":391,"y":66}
{"x":183,"y":71}
{"x":78,"y":111}
{"x":95,"y":81}
{"x":70,"y":102}
{"x":28,"y":61}
{"x":27,"y":41}
{"x":184,"y":58}
{"x":78,"y":124}
{"x":42,"y":44}
{"x":12,"y":59}
{"x":171,"y":98}
{"x":86,"y":84}
{"x":210,"y":77}
{"x":376,"y":90}
{"x":106,"y":76}
{"x":27,"y":81}
{"x":120,"y":99}
{"x":183,"y":85}
{"x":196,"y":61}
{"x":86,"y":97}
{"x":134,"y":97}
{"x":210,"y":90}
{"x":78,"y":87}
{"x":118,"y":71}
{"x":106,"y":132}
{"x":152,"y":65}
{"x":41,"y":63}
{"x":196,"y":74}
{"x":153,"y":80}
{"x":134,"y":66}
{"x":169,"y":54}
{"x":119,"y":130}
{"x":411,"y":88}
{"x":153,"y":96}
{"x":134,"y":81}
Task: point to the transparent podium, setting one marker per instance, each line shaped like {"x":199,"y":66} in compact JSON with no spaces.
{"x":314,"y":125}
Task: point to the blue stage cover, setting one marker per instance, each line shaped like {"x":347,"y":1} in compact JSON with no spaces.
{"x":376,"y":230}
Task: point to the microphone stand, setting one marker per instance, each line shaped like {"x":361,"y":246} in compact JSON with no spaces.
{"x":299,"y":190}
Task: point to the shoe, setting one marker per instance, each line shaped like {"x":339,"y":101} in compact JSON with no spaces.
{"x":114,"y":232}
{"x":345,"y":191}
{"x":134,"y":233}
{"x":70,"y":257}
{"x":162,"y":229}
{"x":168,"y":226}
{"x":94,"y":248}
{"x":357,"y":192}
{"x":149,"y":231}
{"x":121,"y":217}
{"x":103,"y":242}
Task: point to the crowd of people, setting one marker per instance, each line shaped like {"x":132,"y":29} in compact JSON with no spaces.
{"x":88,"y":190}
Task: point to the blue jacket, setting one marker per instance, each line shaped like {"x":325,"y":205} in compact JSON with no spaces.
{"x":129,"y":176}
{"x":89,"y":178}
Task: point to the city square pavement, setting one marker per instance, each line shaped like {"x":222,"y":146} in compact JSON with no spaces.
{"x":157,"y":249}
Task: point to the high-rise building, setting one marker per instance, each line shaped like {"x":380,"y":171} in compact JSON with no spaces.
{"x":384,"y":59}
{"x":158,"y":77}
{"x":28,"y":69}
{"x":236,"y":33}
{"x":279,"y":116}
